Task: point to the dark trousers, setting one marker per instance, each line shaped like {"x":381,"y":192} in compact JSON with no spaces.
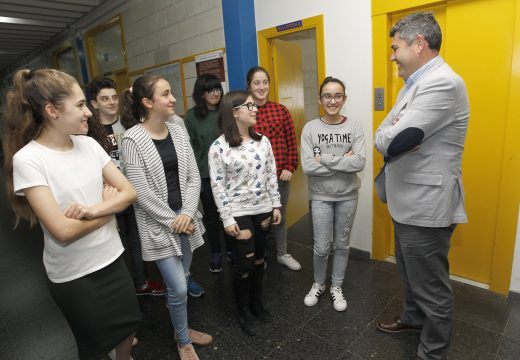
{"x":422,"y":263}
{"x":130,"y":236}
{"x":211,"y":221}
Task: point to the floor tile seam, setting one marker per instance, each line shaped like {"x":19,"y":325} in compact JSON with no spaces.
{"x":351,"y":348}
{"x":511,"y":338}
{"x":500,"y":302}
{"x":478,"y":326}
{"x":299,"y":245}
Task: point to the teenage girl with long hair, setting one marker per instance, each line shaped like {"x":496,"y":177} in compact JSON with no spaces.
{"x":245,"y":188}
{"x":159,"y":162}
{"x":275,"y":122}
{"x":57,"y":178}
{"x":201,"y":124}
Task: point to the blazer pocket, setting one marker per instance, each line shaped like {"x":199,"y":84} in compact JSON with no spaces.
{"x":423,"y":179}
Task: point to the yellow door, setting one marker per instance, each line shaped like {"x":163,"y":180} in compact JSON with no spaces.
{"x":288,"y":85}
{"x":482,"y":55}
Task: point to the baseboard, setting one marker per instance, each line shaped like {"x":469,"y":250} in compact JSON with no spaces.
{"x":513,"y":295}
{"x":358,"y":254}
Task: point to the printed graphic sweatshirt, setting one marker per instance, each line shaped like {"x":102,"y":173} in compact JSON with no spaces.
{"x":243,"y":178}
{"x":334,"y":177}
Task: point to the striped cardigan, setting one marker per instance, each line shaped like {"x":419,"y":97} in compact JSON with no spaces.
{"x":144,"y":168}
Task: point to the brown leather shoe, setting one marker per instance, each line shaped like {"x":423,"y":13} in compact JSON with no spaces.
{"x":396,"y":326}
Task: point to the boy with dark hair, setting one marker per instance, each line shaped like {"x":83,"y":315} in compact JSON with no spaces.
{"x":104,"y":101}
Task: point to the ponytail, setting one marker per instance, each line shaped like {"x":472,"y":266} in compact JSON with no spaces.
{"x":24,"y":119}
{"x":127,"y":112}
{"x":131,"y":105}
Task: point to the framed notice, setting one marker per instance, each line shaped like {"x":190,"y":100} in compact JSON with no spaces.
{"x":211,"y":63}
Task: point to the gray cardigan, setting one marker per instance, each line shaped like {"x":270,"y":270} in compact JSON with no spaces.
{"x":143,"y":166}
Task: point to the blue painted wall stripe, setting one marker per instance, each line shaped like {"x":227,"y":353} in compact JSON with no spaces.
{"x":240,"y":35}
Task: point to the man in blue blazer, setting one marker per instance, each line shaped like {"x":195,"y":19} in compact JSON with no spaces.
{"x":422,"y":140}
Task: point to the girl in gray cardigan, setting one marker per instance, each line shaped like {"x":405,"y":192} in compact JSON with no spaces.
{"x":332,"y":152}
{"x":159,"y":162}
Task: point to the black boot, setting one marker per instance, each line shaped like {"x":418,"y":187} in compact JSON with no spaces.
{"x":245,"y":319}
{"x":255,"y":298}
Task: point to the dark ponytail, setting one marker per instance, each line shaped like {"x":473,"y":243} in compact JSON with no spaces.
{"x":131,"y":105}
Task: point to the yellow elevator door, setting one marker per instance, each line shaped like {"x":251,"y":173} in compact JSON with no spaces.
{"x":288,"y":82}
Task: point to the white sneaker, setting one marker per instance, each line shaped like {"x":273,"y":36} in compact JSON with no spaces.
{"x":289,"y":261}
{"x":340,"y":304}
{"x":316,"y":291}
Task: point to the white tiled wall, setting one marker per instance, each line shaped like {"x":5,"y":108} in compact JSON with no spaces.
{"x":161,"y":30}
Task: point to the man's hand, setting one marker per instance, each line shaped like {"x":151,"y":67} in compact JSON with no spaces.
{"x":317,"y":158}
{"x":285,"y":175}
{"x":347,"y":154}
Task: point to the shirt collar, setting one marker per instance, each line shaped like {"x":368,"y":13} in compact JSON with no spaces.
{"x":419,"y":72}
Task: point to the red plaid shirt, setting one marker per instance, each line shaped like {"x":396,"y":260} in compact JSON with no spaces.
{"x":274,"y":121}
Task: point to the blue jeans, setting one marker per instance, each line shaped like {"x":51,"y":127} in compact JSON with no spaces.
{"x":174,"y":270}
{"x":332,"y":223}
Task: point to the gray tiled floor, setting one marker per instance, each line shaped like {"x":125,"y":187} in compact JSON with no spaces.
{"x":487,"y":326}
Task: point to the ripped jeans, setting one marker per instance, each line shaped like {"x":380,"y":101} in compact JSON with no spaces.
{"x":252,"y":246}
{"x":332,"y":223}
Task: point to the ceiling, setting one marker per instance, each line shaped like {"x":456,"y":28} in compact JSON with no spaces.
{"x":28,"y":25}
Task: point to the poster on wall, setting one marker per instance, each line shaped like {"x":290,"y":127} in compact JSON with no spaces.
{"x":212,"y":63}
{"x":172,"y":73}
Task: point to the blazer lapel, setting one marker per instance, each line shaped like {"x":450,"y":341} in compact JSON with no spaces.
{"x":405,"y":96}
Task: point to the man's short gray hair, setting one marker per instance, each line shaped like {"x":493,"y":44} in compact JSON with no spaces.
{"x":422,"y":23}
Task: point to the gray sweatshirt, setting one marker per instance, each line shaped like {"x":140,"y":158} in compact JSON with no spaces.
{"x":334,"y":177}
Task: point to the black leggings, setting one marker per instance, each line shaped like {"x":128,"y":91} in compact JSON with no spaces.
{"x":247,"y":250}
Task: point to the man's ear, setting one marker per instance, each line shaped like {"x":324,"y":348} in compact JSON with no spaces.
{"x":51,"y":111}
{"x":421,"y":42}
{"x":94,"y":104}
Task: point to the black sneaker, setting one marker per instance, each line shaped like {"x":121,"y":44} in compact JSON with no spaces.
{"x":215,"y":264}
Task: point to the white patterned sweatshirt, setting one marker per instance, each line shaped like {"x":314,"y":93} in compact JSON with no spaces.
{"x":243,"y":178}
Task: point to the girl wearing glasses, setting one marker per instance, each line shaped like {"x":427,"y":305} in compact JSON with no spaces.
{"x":201,"y":124}
{"x":159,"y":162}
{"x":243,"y":177}
{"x":333,"y":151}
{"x":275,"y":122}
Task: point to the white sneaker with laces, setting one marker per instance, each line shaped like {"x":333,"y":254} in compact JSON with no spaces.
{"x":316,"y":291}
{"x":340,"y":304}
{"x":289,"y":261}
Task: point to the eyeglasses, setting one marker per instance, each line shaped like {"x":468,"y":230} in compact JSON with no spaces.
{"x":328,"y":97}
{"x":215,"y":91}
{"x":250,"y":106}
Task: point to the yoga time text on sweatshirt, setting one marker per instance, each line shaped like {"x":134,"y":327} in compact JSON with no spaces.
{"x":334,"y":177}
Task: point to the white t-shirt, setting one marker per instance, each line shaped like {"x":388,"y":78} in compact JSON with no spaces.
{"x":72,"y":176}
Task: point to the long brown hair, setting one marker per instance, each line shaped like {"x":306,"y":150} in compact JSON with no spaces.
{"x":226,"y":121}
{"x":24,"y":119}
{"x":131,"y":105}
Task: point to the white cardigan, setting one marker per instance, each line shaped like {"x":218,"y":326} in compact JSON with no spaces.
{"x":144,"y":168}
